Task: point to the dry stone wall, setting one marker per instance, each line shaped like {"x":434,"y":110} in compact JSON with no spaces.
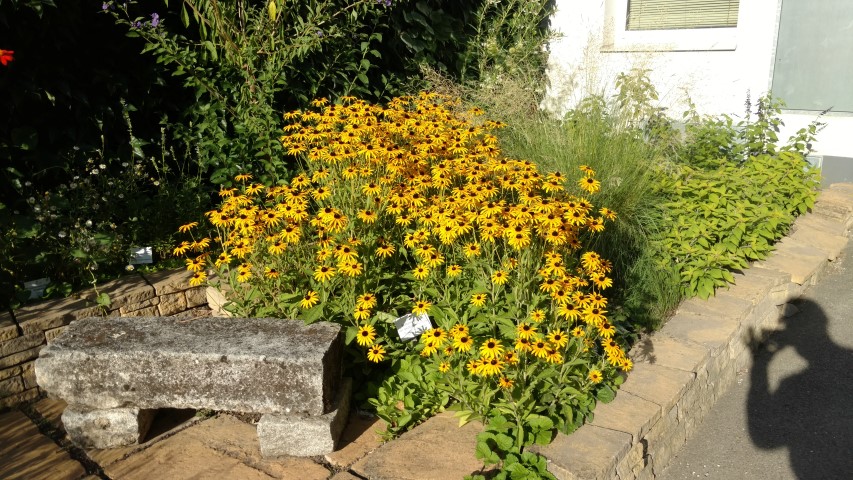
{"x":24,"y":332}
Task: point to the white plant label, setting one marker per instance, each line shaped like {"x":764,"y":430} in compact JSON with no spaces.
{"x":141,"y":255}
{"x":411,"y":326}
{"x":36,"y":287}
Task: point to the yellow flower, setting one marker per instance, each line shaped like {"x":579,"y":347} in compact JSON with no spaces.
{"x":578,"y":332}
{"x":181,"y":249}
{"x":187,"y":227}
{"x":626,"y":365}
{"x":351,"y":269}
{"x":243,"y":177}
{"x":500,"y":277}
{"x":223,"y":259}
{"x":606,"y":330}
{"x":453,"y":271}
{"x":366,"y":335}
{"x":539,"y":348}
{"x":537,"y":315}
{"x":421,"y":307}
{"x":594,"y":316}
{"x":271,"y":272}
{"x":595,"y":376}
{"x":310,"y":299}
{"x":491,"y":348}
{"x":478,"y":299}
{"x":195,"y":264}
{"x":525,"y":330}
{"x":367,"y":216}
{"x":244,"y":272}
{"x":198,"y":278}
{"x":491,"y":366}
{"x":361,"y":312}
{"x":444,"y":367}
{"x":463,"y":343}
{"x":558,"y":338}
{"x":324,"y":273}
{"x":376,"y":353}
{"x":385,"y":250}
{"x":421,"y":272}
{"x":590,"y":184}
{"x":367,"y":300}
{"x":472,"y":249}
{"x":505,"y":383}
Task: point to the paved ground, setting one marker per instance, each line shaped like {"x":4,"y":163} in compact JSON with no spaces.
{"x":790,"y":416}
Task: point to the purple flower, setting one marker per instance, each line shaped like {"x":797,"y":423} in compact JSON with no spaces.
{"x":155,"y":20}
{"x":105,"y":6}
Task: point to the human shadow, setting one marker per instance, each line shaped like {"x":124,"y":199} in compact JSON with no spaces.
{"x":811,"y":411}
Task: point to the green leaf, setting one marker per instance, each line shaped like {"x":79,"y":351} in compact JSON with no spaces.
{"x":605,"y":394}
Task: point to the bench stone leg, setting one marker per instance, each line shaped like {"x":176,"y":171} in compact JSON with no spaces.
{"x":108,"y":428}
{"x":305,"y":435}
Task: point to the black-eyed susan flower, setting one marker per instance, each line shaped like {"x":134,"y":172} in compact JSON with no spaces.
{"x":367,"y":216}
{"x":537,"y":315}
{"x":198,"y":278}
{"x":491,"y":348}
{"x":324,"y":273}
{"x":187,"y":227}
{"x":606,"y":329}
{"x":594,"y":316}
{"x":195,"y":264}
{"x":421,"y":272}
{"x":421,"y":307}
{"x":463,"y":343}
{"x":310,"y":299}
{"x":443,"y":367}
{"x":376,"y":353}
{"x":384,"y":250}
{"x":558,"y":338}
{"x":181,"y":249}
{"x":525,"y":330}
{"x":500,"y":277}
{"x":453,"y":271}
{"x":505,"y":383}
{"x":539,"y":348}
{"x":361,"y":312}
{"x":595,"y":376}
{"x":351,"y":268}
{"x":478,"y":299}
{"x":578,"y":332}
{"x":367,"y":300}
{"x":366,"y":335}
{"x":244,"y":272}
{"x":472,"y":249}
{"x":590,"y":184}
{"x":270,"y":272}
{"x":490,"y":366}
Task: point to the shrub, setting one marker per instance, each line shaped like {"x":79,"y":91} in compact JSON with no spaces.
{"x":410,"y":210}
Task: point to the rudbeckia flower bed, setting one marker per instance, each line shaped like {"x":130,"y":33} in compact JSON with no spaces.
{"x":411,"y":209}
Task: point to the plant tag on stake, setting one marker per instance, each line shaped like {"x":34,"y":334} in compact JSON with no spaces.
{"x":36,"y":287}
{"x":411,"y":326}
{"x":141,"y":255}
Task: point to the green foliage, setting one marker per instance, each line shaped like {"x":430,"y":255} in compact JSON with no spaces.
{"x":502,"y":443}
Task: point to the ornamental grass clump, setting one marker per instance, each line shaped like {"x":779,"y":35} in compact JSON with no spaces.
{"x":410,"y":209}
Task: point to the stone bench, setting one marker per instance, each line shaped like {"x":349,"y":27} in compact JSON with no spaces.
{"x":114,"y":373}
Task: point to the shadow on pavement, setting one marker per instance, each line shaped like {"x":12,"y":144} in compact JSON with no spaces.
{"x":811,"y":411}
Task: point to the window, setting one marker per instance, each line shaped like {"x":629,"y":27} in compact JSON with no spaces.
{"x":673,"y":15}
{"x":670,"y":25}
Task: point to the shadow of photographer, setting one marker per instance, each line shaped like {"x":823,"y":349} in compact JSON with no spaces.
{"x":810,"y":411}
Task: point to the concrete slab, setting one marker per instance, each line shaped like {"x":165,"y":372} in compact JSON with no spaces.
{"x":803,"y":262}
{"x":360,"y":437}
{"x":627,"y":413}
{"x":590,"y":453}
{"x":657,"y":384}
{"x":437,"y":449}
{"x":829,"y":243}
{"x":26,"y":454}
{"x":243,"y":365}
{"x":669,"y":352}
{"x":712,"y":332}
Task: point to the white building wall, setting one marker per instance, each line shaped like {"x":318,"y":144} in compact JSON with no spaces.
{"x":715,"y":68}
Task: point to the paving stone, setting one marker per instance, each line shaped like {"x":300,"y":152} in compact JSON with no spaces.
{"x":633,"y":463}
{"x":722,"y":304}
{"x":172,"y":303}
{"x":817,"y":223}
{"x":305,"y":435}
{"x":344,"y":476}
{"x":659,"y":349}
{"x":752,"y":288}
{"x":712,"y":332}
{"x":20,"y":344}
{"x":169,"y":281}
{"x":28,"y":375}
{"x":51,"y":410}
{"x":26,"y":454}
{"x":221,"y":447}
{"x":11,"y":386}
{"x":38,"y":317}
{"x":661,"y":385}
{"x":8,"y":328}
{"x":360,"y":437}
{"x":437,"y":449}
{"x":244,"y":365}
{"x":589,"y":453}
{"x":829,"y":243}
{"x":834,"y":203}
{"x":627,"y":413}
{"x":803,"y":262}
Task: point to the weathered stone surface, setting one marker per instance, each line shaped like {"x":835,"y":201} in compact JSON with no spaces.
{"x":305,"y":435}
{"x":108,"y":428}
{"x":589,"y":453}
{"x":170,"y":281}
{"x":11,"y":386}
{"x":196,"y":297}
{"x":803,"y":262}
{"x":134,"y":307}
{"x":122,"y":291}
{"x":26,"y":454}
{"x":659,"y":349}
{"x":172,"y":303}
{"x":50,"y":335}
{"x":722,"y":304}
{"x":21,"y":343}
{"x":51,"y":410}
{"x":38,"y":317}
{"x":437,"y":449}
{"x":359,"y":438}
{"x":28,"y":376}
{"x":835,"y":204}
{"x":237,"y":364}
{"x":627,"y":413}
{"x":8,"y":328}
{"x":752,"y":288}
{"x":661,"y":385}
{"x":152,"y":311}
{"x":216,"y":448}
{"x":19,"y":398}
{"x":20,"y":357}
{"x":630,"y":466}
{"x":713,"y":332}
{"x":828,"y":243}
{"x":817,"y":223}
{"x":10,"y":372}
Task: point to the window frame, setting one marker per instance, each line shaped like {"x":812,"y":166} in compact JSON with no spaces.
{"x":617,"y":38}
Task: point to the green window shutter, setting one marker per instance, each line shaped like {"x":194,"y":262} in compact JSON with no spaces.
{"x":677,"y":14}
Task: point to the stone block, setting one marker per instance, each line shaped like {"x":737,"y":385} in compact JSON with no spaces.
{"x":662,"y":440}
{"x":106,"y":428}
{"x":196,"y":297}
{"x":20,"y":344}
{"x":143,"y":305}
{"x":818,"y":223}
{"x":835,"y":204}
{"x":42,"y":316}
{"x":629,"y":467}
{"x":627,"y":413}
{"x":172,"y":303}
{"x":752,"y":288}
{"x":28,"y":375}
{"x":20,"y":357}
{"x":169,"y":281}
{"x":27,"y":454}
{"x":260,"y":365}
{"x":830,"y":244}
{"x":659,"y":349}
{"x":19,"y":398}
{"x":122,"y":291}
{"x":437,"y":449}
{"x":305,"y":435}
{"x":589,"y":453}
{"x":8,"y":327}
{"x":712,"y":332}
{"x":723,"y":304}
{"x":10,"y":372}
{"x":803,"y":262}
{"x":152,"y":311}
{"x":661,"y":385}
{"x":50,"y":335}
{"x":11,"y":386}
